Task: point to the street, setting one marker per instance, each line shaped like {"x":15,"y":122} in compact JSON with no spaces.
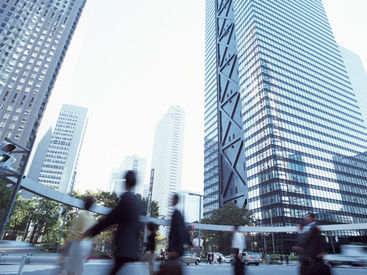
{"x":102,"y":267}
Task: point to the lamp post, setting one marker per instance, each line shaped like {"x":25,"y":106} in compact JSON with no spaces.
{"x":272,"y":234}
{"x":199,"y":237}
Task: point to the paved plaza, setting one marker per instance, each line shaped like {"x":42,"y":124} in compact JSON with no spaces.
{"x":102,"y":267}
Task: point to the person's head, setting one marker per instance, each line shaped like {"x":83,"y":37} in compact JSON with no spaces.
{"x":175,"y":199}
{"x":130,"y":180}
{"x":88,"y":202}
{"x":310,"y":218}
{"x":300,"y":226}
{"x":152,"y":227}
{"x":235,"y":228}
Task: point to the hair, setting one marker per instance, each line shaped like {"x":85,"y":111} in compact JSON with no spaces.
{"x":130,"y":179}
{"x":88,"y":202}
{"x":235,"y":227}
{"x":312,"y":215}
{"x":176,"y":197}
{"x":152,"y":227}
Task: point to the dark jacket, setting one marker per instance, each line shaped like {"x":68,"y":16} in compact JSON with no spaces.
{"x":301,"y":242}
{"x":178,"y":234}
{"x":313,"y":243}
{"x":126,"y":215}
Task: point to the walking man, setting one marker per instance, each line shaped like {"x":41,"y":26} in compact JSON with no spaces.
{"x":299,"y":247}
{"x":238,"y":245}
{"x":126,"y":215}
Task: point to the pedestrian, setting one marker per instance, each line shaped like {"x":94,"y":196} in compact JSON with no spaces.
{"x":126,"y":215}
{"x":150,"y":247}
{"x":177,"y":238}
{"x":299,"y":248}
{"x":313,"y":251}
{"x":238,"y":245}
{"x":287,"y":259}
{"x":281,"y":259}
{"x":79,"y":249}
{"x":209,"y":257}
{"x":162,"y":256}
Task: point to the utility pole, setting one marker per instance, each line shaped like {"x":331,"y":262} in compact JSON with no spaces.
{"x":199,"y":233}
{"x":272,"y":234}
{"x":149,"y":206}
{"x":19,"y":175}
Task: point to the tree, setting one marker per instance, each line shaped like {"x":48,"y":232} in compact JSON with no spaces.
{"x":230,"y":214}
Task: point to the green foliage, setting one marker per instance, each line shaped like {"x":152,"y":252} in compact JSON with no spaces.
{"x":154,"y":208}
{"x":5,"y":194}
{"x":230,"y":214}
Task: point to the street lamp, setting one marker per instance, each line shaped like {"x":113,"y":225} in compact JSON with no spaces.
{"x":272,"y":234}
{"x":199,"y":237}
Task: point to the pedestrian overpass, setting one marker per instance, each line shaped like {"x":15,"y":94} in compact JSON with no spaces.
{"x":44,"y":191}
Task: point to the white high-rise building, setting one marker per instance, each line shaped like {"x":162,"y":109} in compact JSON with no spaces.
{"x":59,"y":164}
{"x":190,"y":206}
{"x":131,"y":162}
{"x":167,"y":158}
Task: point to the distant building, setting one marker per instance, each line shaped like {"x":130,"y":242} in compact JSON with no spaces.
{"x":167,"y":158}
{"x":57,"y":168}
{"x":358,"y":77}
{"x":132,"y":162}
{"x":190,"y":206}
{"x":34,"y":38}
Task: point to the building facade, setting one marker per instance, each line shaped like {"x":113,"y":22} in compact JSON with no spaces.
{"x":190,"y":206}
{"x":358,"y":78}
{"x":304,"y":136}
{"x":34,"y":38}
{"x":167,"y":158}
{"x":134,"y":163}
{"x":59,"y":164}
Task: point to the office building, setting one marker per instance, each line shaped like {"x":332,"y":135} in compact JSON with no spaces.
{"x":274,"y":69}
{"x":34,"y":38}
{"x":134,"y":163}
{"x":190,"y":206}
{"x":167,"y":158}
{"x":358,"y":77}
{"x":59,"y":164}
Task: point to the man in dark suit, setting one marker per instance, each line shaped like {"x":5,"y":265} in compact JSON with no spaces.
{"x":178,"y":235}
{"x":126,"y":215}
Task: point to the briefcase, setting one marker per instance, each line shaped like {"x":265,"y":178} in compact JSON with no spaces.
{"x":171,"y":267}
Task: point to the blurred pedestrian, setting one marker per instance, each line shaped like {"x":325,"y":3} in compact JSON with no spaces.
{"x":150,"y":247}
{"x":208,"y":257}
{"x":79,"y":249}
{"x":286,"y":259}
{"x":281,"y":259}
{"x":313,"y":251}
{"x":299,"y":248}
{"x":126,"y":215}
{"x":238,"y":245}
{"x":177,"y":238}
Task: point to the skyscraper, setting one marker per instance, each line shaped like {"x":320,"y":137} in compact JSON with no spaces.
{"x":34,"y":38}
{"x":134,"y":163}
{"x":358,"y":78}
{"x":189,"y":206}
{"x":304,"y":139}
{"x":59,"y":164}
{"x":167,"y":158}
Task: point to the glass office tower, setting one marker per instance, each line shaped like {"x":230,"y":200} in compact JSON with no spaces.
{"x":305,"y":142}
{"x":34,"y":38}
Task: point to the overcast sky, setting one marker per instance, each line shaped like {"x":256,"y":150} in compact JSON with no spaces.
{"x":129,"y":61}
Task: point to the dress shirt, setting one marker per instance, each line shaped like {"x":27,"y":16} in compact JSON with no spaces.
{"x":238,"y":241}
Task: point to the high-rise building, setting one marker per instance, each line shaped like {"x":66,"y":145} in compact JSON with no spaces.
{"x":358,"y":78}
{"x":134,"y":163}
{"x":59,"y":164}
{"x":34,"y":38}
{"x":167,"y":158}
{"x":274,"y":69}
{"x":189,"y":206}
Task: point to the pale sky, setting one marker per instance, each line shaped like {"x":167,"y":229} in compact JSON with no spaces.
{"x":129,"y":61}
